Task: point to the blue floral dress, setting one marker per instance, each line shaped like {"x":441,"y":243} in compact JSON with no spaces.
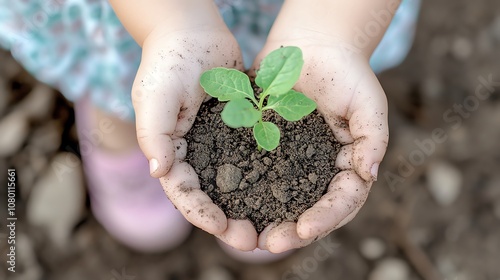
{"x":81,"y":48}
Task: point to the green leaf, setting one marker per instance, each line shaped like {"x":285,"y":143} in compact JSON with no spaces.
{"x":292,"y":106}
{"x":226,"y":84}
{"x":267,"y":135}
{"x":280,"y":70}
{"x":240,"y":113}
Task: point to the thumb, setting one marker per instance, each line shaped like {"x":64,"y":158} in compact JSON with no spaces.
{"x":155,"y":96}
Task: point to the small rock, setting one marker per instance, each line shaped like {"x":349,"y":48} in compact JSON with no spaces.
{"x":461,"y":48}
{"x":390,"y":269}
{"x":252,"y":177}
{"x":313,"y":178}
{"x":57,"y":199}
{"x":310,"y":151}
{"x":444,"y":182}
{"x":27,"y":257}
{"x":433,"y":88}
{"x":372,"y":248}
{"x":259,"y":167}
{"x":216,"y":273}
{"x":202,"y":159}
{"x":281,"y":193}
{"x":208,"y":174}
{"x":267,"y":161}
{"x":10,"y":68}
{"x":228,"y":178}
{"x":271,"y":175}
{"x":14,"y":129}
{"x":243,"y":185}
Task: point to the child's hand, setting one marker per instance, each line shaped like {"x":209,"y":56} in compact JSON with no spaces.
{"x":353,"y":103}
{"x":166,"y":97}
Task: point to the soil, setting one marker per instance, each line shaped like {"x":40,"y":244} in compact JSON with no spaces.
{"x":264,"y":187}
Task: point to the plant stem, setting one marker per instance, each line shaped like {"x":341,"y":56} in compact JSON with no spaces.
{"x":261,"y":100}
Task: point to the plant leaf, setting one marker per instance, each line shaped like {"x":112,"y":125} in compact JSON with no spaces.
{"x":240,"y":113}
{"x":267,"y":135}
{"x":280,"y":70}
{"x":292,"y":106}
{"x":226,"y":84}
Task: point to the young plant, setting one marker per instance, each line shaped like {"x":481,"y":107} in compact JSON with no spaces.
{"x":278,"y":73}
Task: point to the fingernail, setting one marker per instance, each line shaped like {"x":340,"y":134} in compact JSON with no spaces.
{"x":153,"y":165}
{"x":374,"y":170}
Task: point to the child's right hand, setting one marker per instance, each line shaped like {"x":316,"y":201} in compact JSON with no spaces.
{"x":166,"y":96}
{"x":180,"y":39}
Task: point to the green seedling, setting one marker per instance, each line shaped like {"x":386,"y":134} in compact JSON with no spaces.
{"x":278,"y":73}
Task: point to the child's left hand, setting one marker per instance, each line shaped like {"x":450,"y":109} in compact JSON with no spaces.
{"x":354,"y":105}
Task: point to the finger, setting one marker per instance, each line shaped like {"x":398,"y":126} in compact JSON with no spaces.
{"x":369,"y":127}
{"x":283,"y":237}
{"x":346,"y":193}
{"x":262,"y":241}
{"x":180,"y":147}
{"x":240,"y":234}
{"x":182,"y":187}
{"x":344,"y":158}
{"x":156,"y":101}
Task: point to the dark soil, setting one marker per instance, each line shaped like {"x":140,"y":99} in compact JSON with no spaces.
{"x":264,"y":187}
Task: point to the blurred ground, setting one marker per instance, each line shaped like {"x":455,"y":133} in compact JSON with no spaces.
{"x":433,"y":214}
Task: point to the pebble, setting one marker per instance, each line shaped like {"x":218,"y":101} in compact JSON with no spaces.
{"x":390,"y":269}
{"x":57,"y":199}
{"x":252,"y":176}
{"x":216,"y":273}
{"x":461,"y":48}
{"x":310,"y":151}
{"x":372,"y":248}
{"x":267,"y":161}
{"x":243,"y":185}
{"x":444,"y":182}
{"x":281,"y":193}
{"x":228,"y":178}
{"x":14,"y":129}
{"x":313,"y":178}
{"x":433,"y":88}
